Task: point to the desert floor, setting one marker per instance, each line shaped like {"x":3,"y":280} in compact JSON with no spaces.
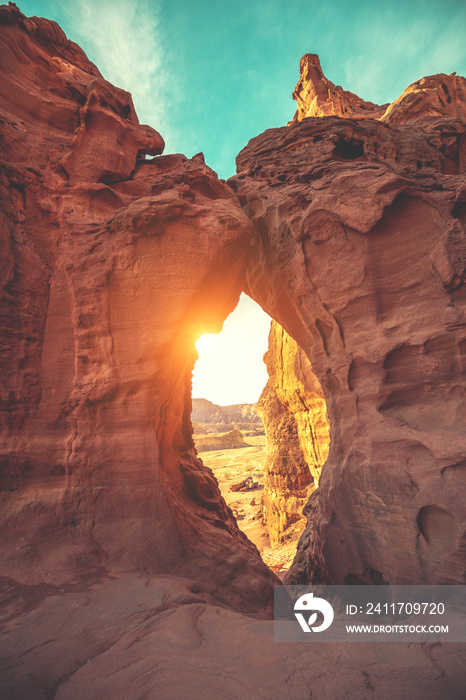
{"x":231,"y":467}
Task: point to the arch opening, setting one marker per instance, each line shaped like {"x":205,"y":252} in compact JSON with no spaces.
{"x":260,"y":424}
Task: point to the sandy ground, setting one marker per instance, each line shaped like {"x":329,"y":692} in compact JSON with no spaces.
{"x":233,"y":466}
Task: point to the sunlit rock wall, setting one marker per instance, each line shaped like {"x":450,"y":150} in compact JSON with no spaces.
{"x":293,"y":409}
{"x":435,"y":95}
{"x":317,"y":96}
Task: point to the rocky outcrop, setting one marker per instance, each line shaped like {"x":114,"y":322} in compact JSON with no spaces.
{"x":113,"y":265}
{"x":293,"y":409}
{"x":319,"y":97}
{"x":360,"y":255}
{"x":223,"y":441}
{"x":435,"y":96}
{"x":208,"y":417}
{"x":118,"y":553}
{"x":136,"y":638}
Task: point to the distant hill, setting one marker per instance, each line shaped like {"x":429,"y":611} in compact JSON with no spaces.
{"x":225,"y":441}
{"x":207,"y":412}
{"x":208,"y":417}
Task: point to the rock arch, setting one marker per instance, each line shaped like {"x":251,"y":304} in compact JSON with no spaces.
{"x":364,"y":265}
{"x":113,"y":265}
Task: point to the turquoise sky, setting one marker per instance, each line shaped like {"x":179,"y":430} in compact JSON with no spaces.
{"x":211,"y":74}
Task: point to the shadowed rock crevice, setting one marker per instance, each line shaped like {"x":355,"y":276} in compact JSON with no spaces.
{"x":437,"y":526}
{"x":348,"y":149}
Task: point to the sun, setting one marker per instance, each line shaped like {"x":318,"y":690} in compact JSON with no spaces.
{"x":205,"y":342}
{"x":230,"y":369}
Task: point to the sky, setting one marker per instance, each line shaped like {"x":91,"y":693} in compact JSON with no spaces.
{"x":210,"y":75}
{"x":229,"y":371}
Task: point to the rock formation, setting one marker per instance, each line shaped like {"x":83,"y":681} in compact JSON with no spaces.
{"x":435,"y":96}
{"x":137,"y":638}
{"x":210,"y":418}
{"x":293,"y":409}
{"x":113,"y":265}
{"x":222,"y":441}
{"x":360,"y":255}
{"x":123,"y":573}
{"x":319,"y":97}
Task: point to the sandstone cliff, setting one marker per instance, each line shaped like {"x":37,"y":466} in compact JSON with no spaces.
{"x":293,"y":409}
{"x":112,"y":267}
{"x":360,"y":255}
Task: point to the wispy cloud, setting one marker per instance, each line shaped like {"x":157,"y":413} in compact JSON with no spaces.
{"x":389,"y":54}
{"x":122,"y":37}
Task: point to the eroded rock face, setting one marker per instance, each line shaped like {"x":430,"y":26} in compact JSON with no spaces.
{"x":361,"y":256}
{"x":435,"y":96}
{"x":361,"y":260}
{"x":317,"y":96}
{"x":293,"y":408}
{"x":134,"y":638}
{"x":113,"y":266}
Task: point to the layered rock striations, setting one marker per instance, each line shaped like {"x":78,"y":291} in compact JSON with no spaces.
{"x":113,"y":265}
{"x":293,"y":408}
{"x":360,"y":255}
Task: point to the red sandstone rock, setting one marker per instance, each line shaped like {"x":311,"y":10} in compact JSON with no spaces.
{"x":113,"y":266}
{"x":294,"y":412}
{"x":116,"y":546}
{"x":436,"y":95}
{"x":361,"y":256}
{"x":135,"y":638}
{"x":319,"y":97}
{"x":246,"y":485}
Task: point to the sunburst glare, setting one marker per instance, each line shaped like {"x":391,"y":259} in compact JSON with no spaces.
{"x":230,"y":368}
